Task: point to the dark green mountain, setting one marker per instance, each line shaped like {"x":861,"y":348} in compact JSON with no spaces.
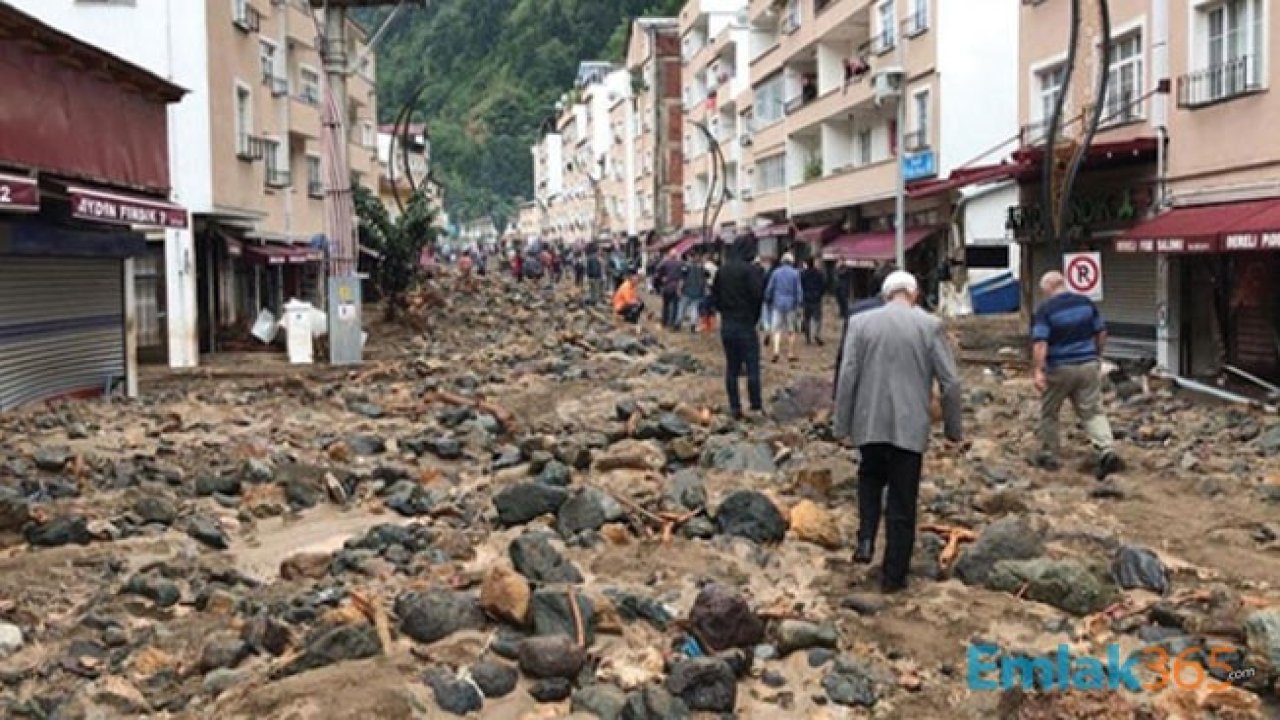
{"x":491,"y":71}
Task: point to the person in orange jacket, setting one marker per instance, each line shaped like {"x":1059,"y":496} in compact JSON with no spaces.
{"x":626,"y":301}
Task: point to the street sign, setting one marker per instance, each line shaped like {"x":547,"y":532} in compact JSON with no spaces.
{"x":1083,"y":272}
{"x":917,"y":166}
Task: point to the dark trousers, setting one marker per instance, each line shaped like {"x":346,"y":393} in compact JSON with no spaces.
{"x":670,"y":310}
{"x":812,"y":323}
{"x":886,"y":466}
{"x":741,"y":351}
{"x":631,"y":313}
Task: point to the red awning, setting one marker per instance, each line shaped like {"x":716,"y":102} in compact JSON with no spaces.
{"x":19,"y":193}
{"x":686,"y":244}
{"x":1207,"y":229}
{"x":121,"y":209}
{"x":774,"y":230}
{"x":964,"y":177}
{"x":282,"y":254}
{"x":869,"y":248}
{"x":821,"y":233}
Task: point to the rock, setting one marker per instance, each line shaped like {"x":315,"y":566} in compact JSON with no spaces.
{"x":1269,"y":441}
{"x":85,"y":658}
{"x":445,"y":448}
{"x":739,"y":456}
{"x":62,"y":530}
{"x":820,"y":656}
{"x":752,"y":515}
{"x":122,"y":696}
{"x":603,"y":701}
{"x":1136,"y":567}
{"x":11,"y":639}
{"x":537,"y":559}
{"x":15,"y":511}
{"x":221,"y":680}
{"x":494,"y":679}
{"x":699,"y":527}
{"x":156,"y":509}
{"x":793,"y":635}
{"x":555,"y":473}
{"x":721,"y":618}
{"x":1065,"y":584}
{"x":366,"y":445}
{"x":684,"y":491}
{"x":519,"y":503}
{"x":549,"y":690}
{"x":1009,"y":538}
{"x":654,"y":703}
{"x":409,"y":498}
{"x":863,"y":604}
{"x":453,"y":695}
{"x":257,"y":471}
{"x":505,"y":595}
{"x":631,"y":455}
{"x":436,"y":614}
{"x":265,"y":634}
{"x":220,"y":484}
{"x":849,"y":689}
{"x":574,"y":454}
{"x":704,"y":684}
{"x":635,"y":607}
{"x":52,"y":459}
{"x":1262,"y":630}
{"x":311,"y":565}
{"x":624,"y":409}
{"x":551,"y":656}
{"x":345,"y":642}
{"x":163,"y":592}
{"x":815,"y":525}
{"x":223,"y":651}
{"x":673,"y":426}
{"x":684,"y":449}
{"x":553,"y":615}
{"x":587,"y":509}
{"x":208,"y":531}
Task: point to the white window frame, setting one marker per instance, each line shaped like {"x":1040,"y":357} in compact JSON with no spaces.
{"x":769,"y":106}
{"x":1040,"y":109}
{"x":314,"y":162}
{"x":764,"y":175}
{"x":275,"y":157}
{"x":243,"y":133}
{"x":273,"y":72}
{"x":1254,"y":37}
{"x":919,"y":19}
{"x":1114,"y":110}
{"x":887,"y":27}
{"x":866,"y":146}
{"x":923,"y":116}
{"x":311,"y":98}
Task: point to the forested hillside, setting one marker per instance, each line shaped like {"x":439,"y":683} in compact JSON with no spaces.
{"x":492,"y":71}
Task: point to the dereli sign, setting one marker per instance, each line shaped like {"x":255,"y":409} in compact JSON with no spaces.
{"x":1252,"y":241}
{"x":99,"y":206}
{"x":19,"y":193}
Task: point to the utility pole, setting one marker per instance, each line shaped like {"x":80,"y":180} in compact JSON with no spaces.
{"x":900,"y":188}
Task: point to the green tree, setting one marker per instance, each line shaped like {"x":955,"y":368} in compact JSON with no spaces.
{"x":399,"y":241}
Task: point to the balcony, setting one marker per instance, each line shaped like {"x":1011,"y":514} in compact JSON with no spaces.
{"x":304,"y":119}
{"x":246,"y":17}
{"x":279,"y":85}
{"x":882,"y":42}
{"x":302,"y":27}
{"x":250,"y":148}
{"x":1219,"y":83}
{"x":846,"y":187}
{"x":916,"y":140}
{"x":279,"y":178}
{"x":845,"y":99}
{"x":840,"y":14}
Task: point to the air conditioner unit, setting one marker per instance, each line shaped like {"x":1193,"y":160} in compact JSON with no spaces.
{"x":746,"y":139}
{"x":886,"y":84}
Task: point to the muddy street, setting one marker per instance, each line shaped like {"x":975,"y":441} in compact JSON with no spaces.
{"x":518,"y":508}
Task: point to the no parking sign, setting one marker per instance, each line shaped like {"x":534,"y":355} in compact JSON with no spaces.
{"x":1083,"y":272}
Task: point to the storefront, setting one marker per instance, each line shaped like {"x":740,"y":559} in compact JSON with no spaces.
{"x":85,"y":174}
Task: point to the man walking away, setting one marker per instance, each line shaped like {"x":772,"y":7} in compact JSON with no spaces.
{"x":814,"y":285}
{"x":784,"y":295}
{"x":738,"y":292}
{"x":579,"y":270}
{"x":692,"y":291}
{"x":626,"y":301}
{"x":1068,"y":337}
{"x":595,"y":277}
{"x":844,"y":287}
{"x":892,"y":357}
{"x":669,"y":272}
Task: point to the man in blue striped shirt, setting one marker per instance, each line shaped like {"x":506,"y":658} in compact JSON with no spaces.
{"x":1068,"y":335}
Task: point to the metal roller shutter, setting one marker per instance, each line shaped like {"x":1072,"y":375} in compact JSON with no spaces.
{"x":61,"y":327}
{"x":1129,"y":304}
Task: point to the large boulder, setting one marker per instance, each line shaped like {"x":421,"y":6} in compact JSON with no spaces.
{"x":551,"y":656}
{"x":519,"y":503}
{"x":1068,"y":585}
{"x":537,"y":559}
{"x":738,"y":456}
{"x":553,"y":614}
{"x":1137,"y":567}
{"x":345,"y":642}
{"x":752,"y":515}
{"x":436,"y":614}
{"x":704,"y":683}
{"x":686,"y":490}
{"x":1262,"y":629}
{"x":1009,"y":538}
{"x":587,"y":509}
{"x":723,"y":619}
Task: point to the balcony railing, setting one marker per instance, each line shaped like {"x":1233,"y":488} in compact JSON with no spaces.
{"x":1217,"y":83}
{"x":883,"y":41}
{"x":917,"y":23}
{"x":279,"y":85}
{"x":916,"y":140}
{"x":250,"y":148}
{"x":279,"y":178}
{"x":1121,"y":112}
{"x":310,"y":94}
{"x":790,"y":21}
{"x":246,"y":17}
{"x":315,"y":189}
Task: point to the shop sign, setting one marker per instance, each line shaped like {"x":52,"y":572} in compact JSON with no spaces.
{"x":1167,"y":245}
{"x":1252,"y":241}
{"x":106,"y":207}
{"x":19,"y":193}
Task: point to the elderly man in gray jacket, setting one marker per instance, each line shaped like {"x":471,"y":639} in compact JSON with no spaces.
{"x":892,"y":356}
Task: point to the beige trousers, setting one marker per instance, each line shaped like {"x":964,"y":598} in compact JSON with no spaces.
{"x":1082,"y":384}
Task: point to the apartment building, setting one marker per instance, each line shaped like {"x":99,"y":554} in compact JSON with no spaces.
{"x":827,"y":78}
{"x":404,"y":163}
{"x":245,"y":155}
{"x":657,"y":167}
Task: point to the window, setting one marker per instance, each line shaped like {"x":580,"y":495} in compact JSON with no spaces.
{"x":244,"y":16}
{"x":1124,"y":80}
{"x":864,"y":146}
{"x":368,"y":138}
{"x":277,"y":163}
{"x":244,"y":119}
{"x":267,"y":55}
{"x":919,"y":20}
{"x":769,"y":101}
{"x":920,"y":138}
{"x":791,"y":17}
{"x":315,"y":185}
{"x":771,"y":173}
{"x":309,"y":85}
{"x":1228,"y":52}
{"x":1049,"y":83}
{"x":887,"y":16}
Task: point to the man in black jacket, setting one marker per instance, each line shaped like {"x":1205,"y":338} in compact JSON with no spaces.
{"x":814,"y":285}
{"x":738,"y":292}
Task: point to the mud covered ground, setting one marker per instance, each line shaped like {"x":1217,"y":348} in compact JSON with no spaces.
{"x":519,"y":509}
